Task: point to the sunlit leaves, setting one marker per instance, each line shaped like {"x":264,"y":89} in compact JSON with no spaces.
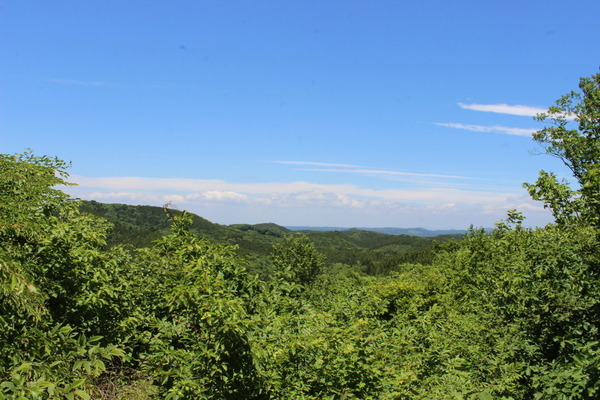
{"x":578,"y":147}
{"x":296,"y":260}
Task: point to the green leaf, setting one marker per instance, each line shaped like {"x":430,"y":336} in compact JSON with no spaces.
{"x":82,"y":394}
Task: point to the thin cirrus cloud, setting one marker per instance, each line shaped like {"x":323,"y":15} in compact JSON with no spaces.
{"x":358,"y":169}
{"x":526,"y":111}
{"x":519,"y":110}
{"x":80,"y":82}
{"x":489,"y":129}
{"x":389,"y":173}
{"x":318,"y":164}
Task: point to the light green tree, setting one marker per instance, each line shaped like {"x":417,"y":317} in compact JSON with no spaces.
{"x":55,"y":285}
{"x":297,"y":260}
{"x":574,"y":138}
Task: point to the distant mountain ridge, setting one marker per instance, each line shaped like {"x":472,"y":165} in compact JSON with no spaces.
{"x":421,"y":232}
{"x":139,"y":226}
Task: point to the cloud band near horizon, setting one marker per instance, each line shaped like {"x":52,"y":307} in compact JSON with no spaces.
{"x":354,"y":205}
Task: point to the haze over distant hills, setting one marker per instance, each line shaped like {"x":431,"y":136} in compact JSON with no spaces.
{"x":422,"y":232}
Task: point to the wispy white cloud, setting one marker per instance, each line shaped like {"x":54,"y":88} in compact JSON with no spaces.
{"x":491,"y":129}
{"x":195,"y":185}
{"x":357,"y":169}
{"x":217,"y":190}
{"x":390,"y":173}
{"x":318,"y":164}
{"x":528,"y":111}
{"x":80,"y":82}
{"x":215,"y":195}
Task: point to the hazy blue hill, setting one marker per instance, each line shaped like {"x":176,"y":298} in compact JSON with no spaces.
{"x":422,"y":232}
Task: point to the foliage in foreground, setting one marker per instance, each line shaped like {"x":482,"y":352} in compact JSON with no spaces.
{"x":511,"y":314}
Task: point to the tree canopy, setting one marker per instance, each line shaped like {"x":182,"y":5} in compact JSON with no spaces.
{"x":573,"y":137}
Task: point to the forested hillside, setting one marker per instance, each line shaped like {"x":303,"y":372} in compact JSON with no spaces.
{"x":507,"y":314}
{"x":421,"y":232}
{"x":139,"y":226}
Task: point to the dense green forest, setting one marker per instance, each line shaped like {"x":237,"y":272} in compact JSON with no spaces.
{"x":371,"y":252}
{"x":150,"y":307}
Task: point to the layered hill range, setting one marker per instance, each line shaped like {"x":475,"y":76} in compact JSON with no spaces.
{"x":139,"y":226}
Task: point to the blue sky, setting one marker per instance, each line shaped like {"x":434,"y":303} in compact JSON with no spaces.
{"x":324,"y":113}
